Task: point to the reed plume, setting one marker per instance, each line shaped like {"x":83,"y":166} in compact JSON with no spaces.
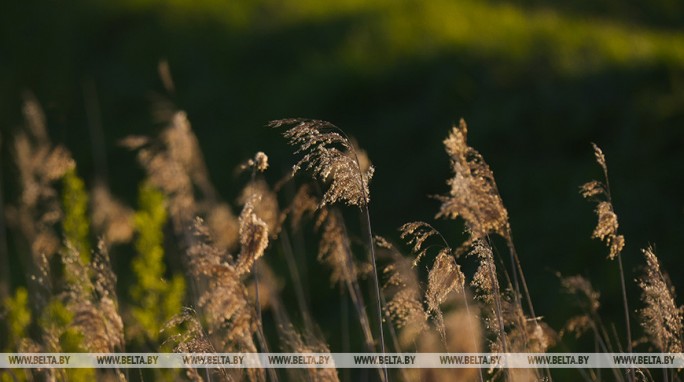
{"x":332,"y":159}
{"x":304,"y":203}
{"x":186,"y":335}
{"x":253,"y":238}
{"x":404,"y":296}
{"x":473,"y":195}
{"x":334,"y":249}
{"x":93,"y":301}
{"x":607,"y":227}
{"x":264,"y":204}
{"x":330,"y":156}
{"x":38,"y":210}
{"x":225,"y":302}
{"x":661,"y":318}
{"x":415,"y":234}
{"x":606,"y":230}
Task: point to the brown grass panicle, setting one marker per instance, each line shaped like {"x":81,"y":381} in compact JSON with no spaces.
{"x":230,"y":317}
{"x":264,"y":204}
{"x":464,"y":335}
{"x":588,"y":300}
{"x":304,"y":203}
{"x":331,"y":157}
{"x":661,"y":318}
{"x":415,"y":234}
{"x":334,"y":249}
{"x":403,"y":295}
{"x":253,"y":237}
{"x":607,"y":227}
{"x":295,"y":342}
{"x":580,"y":286}
{"x":93,"y":304}
{"x":174,"y":164}
{"x":258,"y":163}
{"x":185,"y":334}
{"x":607,"y":231}
{"x":39,"y":164}
{"x":487,"y":289}
{"x":444,"y":277}
{"x":167,"y":174}
{"x":335,"y":252}
{"x":473,"y":195}
{"x":224,"y":226}
{"x":512,"y":330}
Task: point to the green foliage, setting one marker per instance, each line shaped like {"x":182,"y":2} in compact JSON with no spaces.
{"x":18,"y":316}
{"x":75,"y":222}
{"x":56,"y":319}
{"x":156,"y":299}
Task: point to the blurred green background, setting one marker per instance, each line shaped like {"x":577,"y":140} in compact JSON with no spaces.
{"x":536,"y":81}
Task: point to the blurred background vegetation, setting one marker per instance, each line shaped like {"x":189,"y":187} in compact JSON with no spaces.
{"x":537,"y":81}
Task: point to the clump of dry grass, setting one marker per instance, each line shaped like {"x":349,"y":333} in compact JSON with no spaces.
{"x":40,"y":164}
{"x":441,"y":307}
{"x":225,"y":302}
{"x":93,"y":302}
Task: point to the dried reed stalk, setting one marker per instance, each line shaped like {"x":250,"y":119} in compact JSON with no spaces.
{"x":606,"y":230}
{"x":331,"y":157}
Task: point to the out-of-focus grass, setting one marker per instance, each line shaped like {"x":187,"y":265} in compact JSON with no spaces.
{"x":403,"y":29}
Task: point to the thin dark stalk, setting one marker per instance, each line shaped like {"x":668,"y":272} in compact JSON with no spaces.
{"x":371,"y":249}
{"x":528,"y":297}
{"x":395,"y":342}
{"x":605,"y":344}
{"x":296,"y":279}
{"x":598,"y":369}
{"x":345,"y":330}
{"x":624,"y":301}
{"x":497,"y":304}
{"x":499,"y":314}
{"x":299,"y":250}
{"x":470,"y":326}
{"x":357,"y":298}
{"x":260,"y":328}
{"x":520,"y":318}
{"x":622,"y":280}
{"x":376,"y":281}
